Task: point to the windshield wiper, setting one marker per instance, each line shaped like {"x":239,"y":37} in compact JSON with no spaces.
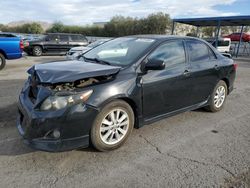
{"x":96,"y":60}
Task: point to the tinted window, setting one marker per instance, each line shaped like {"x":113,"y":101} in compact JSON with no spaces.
{"x":221,"y":43}
{"x":77,"y":38}
{"x":198,"y":51}
{"x":64,"y":38}
{"x":171,"y":53}
{"x":74,"y":37}
{"x":53,"y":37}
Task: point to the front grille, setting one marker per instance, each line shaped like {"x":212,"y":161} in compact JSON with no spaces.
{"x":33,"y":90}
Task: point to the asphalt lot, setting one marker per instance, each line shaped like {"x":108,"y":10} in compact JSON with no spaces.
{"x":193,"y":149}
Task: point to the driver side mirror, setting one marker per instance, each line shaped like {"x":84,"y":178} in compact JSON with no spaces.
{"x":154,"y":64}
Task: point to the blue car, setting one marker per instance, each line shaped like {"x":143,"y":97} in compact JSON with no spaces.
{"x":11,"y":47}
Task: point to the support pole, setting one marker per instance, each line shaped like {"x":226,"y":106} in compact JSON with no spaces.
{"x":173,"y":27}
{"x":241,"y":33}
{"x":217,"y":33}
{"x":197,"y":31}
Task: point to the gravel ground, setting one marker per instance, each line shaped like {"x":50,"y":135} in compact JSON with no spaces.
{"x":193,"y":149}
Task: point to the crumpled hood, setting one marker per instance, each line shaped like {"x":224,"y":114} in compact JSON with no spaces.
{"x":70,"y":71}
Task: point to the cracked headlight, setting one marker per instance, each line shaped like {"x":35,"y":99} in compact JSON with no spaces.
{"x":58,"y":102}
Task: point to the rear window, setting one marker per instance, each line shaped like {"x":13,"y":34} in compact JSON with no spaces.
{"x":198,"y":51}
{"x":77,"y":38}
{"x":223,"y":43}
{"x":6,"y":35}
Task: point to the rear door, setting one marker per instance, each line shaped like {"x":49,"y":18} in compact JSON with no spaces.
{"x":78,"y":40}
{"x":64,"y":44}
{"x":169,"y":89}
{"x":204,"y":70}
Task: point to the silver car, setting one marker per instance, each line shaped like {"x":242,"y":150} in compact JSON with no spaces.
{"x":75,"y":52}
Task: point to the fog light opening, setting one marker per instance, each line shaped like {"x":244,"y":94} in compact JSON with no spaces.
{"x":56,"y":133}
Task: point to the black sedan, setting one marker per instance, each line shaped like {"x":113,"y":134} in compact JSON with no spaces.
{"x":125,"y":83}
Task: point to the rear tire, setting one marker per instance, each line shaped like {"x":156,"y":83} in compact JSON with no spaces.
{"x":2,"y":61}
{"x":218,"y":97}
{"x":112,"y":126}
{"x":37,"y":51}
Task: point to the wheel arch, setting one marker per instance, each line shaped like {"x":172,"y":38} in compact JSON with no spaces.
{"x":226,"y":80}
{"x":130,"y":102}
{"x":134,"y":107}
{"x":34,"y":45}
{"x":4,"y":54}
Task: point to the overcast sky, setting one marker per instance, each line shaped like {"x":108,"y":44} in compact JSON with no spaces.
{"x":81,"y":12}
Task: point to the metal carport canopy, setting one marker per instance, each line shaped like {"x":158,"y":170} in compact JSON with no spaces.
{"x":213,"y":21}
{"x":218,"y":22}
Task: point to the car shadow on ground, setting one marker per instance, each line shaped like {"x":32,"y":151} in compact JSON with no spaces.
{"x":13,"y":145}
{"x":201,"y":110}
{"x":8,"y":113}
{"x":11,"y":142}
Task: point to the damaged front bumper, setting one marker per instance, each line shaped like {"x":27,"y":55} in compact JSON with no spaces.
{"x":59,"y":130}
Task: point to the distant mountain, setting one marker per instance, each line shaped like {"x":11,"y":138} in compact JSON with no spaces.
{"x":45,"y":25}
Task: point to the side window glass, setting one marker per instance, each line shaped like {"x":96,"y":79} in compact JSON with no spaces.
{"x":74,"y":37}
{"x":171,"y":53}
{"x":82,"y":38}
{"x":198,"y":51}
{"x":64,"y":38}
{"x":53,"y":37}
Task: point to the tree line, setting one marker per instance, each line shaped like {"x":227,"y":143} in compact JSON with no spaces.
{"x":32,"y":28}
{"x":157,"y":23}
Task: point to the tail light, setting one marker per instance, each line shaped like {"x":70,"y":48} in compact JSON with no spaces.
{"x":21,"y":45}
{"x":235,"y":66}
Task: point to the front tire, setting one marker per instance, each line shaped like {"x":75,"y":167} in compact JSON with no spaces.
{"x":218,"y":97}
{"x":2,"y":61}
{"x":37,"y":51}
{"x":112,"y":126}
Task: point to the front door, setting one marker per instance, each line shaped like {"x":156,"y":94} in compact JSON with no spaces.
{"x":52,"y":43}
{"x":166,"y":90}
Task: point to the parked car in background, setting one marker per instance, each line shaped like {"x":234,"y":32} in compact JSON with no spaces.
{"x":55,"y":43}
{"x":124,"y":83}
{"x":223,"y":44}
{"x":236,"y":37}
{"x":11,"y":47}
{"x":76,"y":52}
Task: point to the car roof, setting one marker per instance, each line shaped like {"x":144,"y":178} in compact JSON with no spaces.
{"x":163,"y":37}
{"x":63,"y":34}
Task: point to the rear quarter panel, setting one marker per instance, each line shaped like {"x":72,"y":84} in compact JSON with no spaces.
{"x":228,"y":71}
{"x":10,"y":47}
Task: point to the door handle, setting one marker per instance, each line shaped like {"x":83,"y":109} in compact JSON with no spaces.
{"x":186,"y":73}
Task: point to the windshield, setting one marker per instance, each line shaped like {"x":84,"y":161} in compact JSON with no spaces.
{"x":121,"y":51}
{"x":96,"y":43}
